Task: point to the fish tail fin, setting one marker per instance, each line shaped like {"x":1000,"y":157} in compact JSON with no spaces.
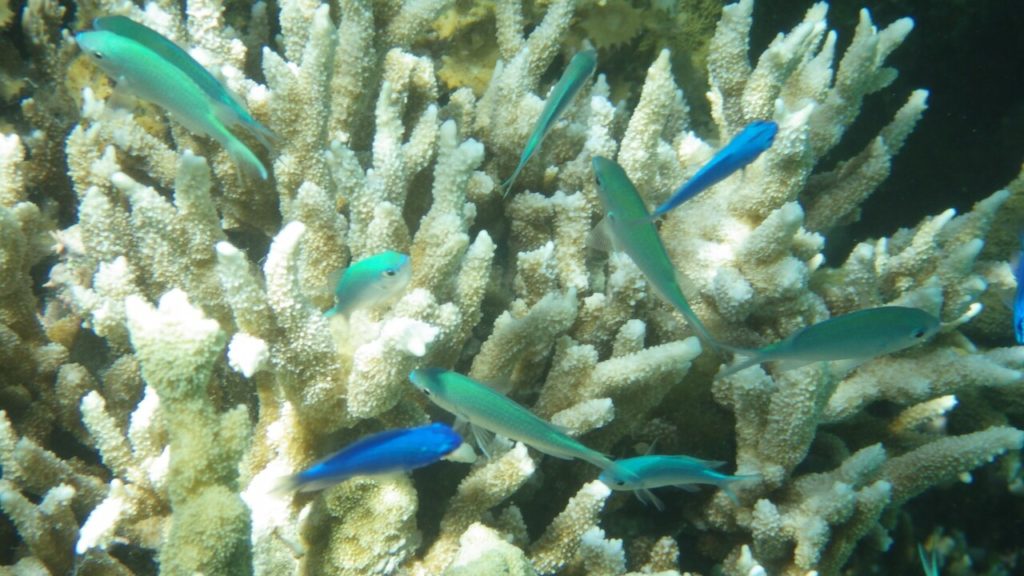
{"x":732,"y":495}
{"x":507,"y":184}
{"x":727,"y":482}
{"x":267,"y":138}
{"x":248,"y":164}
{"x":234,"y":115}
{"x":753,"y":359}
{"x":285,"y":485}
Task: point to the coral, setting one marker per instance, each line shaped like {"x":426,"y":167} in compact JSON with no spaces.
{"x":165,"y":357}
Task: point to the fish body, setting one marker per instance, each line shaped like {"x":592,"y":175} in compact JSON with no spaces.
{"x":743,"y":149}
{"x":228,"y":109}
{"x":152,"y":77}
{"x":633,"y":232}
{"x":372,"y":280}
{"x":1018,"y":298}
{"x":861,"y":334}
{"x":575,"y":76}
{"x":387,"y":452}
{"x":483,"y":407}
{"x":654,"y":471}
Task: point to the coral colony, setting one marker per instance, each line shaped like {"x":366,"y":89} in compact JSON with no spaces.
{"x":191,"y":183}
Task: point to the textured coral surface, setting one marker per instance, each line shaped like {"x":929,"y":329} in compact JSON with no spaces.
{"x":164,"y":357}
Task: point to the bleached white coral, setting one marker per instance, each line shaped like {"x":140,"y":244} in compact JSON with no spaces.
{"x":197,"y":404}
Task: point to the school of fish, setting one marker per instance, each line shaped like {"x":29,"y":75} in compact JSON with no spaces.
{"x":152,"y":67}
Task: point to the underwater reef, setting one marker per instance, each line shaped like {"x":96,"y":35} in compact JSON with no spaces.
{"x":165,"y":357}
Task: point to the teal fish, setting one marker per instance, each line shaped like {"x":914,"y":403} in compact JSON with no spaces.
{"x":372,"y":280}
{"x":152,"y":77}
{"x":645,"y":472}
{"x":628,"y":223}
{"x":929,"y":562}
{"x":484,"y":408}
{"x":858,"y":335}
{"x":228,"y":109}
{"x":575,"y":76}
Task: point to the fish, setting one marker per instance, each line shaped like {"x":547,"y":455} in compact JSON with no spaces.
{"x":743,"y":149}
{"x":388,"y":452}
{"x":858,"y":335}
{"x":370,"y":281}
{"x":642,"y":473}
{"x":929,"y":561}
{"x":228,"y":109}
{"x":484,"y":408}
{"x":580,"y":68}
{"x":628,"y":223}
{"x":152,"y":77}
{"x":1018,"y":298}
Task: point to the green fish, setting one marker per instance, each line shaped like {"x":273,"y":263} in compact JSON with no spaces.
{"x":857,"y":335}
{"x":929,"y":561}
{"x":372,"y":280}
{"x":653,"y":471}
{"x":484,"y":408}
{"x":228,"y":109}
{"x":152,"y":77}
{"x":575,"y":76}
{"x":628,"y":223}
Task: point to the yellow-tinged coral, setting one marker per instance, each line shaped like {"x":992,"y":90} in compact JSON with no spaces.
{"x":197,"y":406}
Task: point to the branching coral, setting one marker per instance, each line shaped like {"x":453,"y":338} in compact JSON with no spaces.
{"x":178,"y":344}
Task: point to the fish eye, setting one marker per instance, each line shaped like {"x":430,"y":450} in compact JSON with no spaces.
{"x":390,"y":272}
{"x":918,"y":333}
{"x":425,"y":391}
{"x":620,"y":482}
{"x":97,"y":55}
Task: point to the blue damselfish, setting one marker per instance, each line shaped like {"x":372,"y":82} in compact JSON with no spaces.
{"x":653,"y":471}
{"x":387,"y":452}
{"x":743,"y":149}
{"x":372,"y":280}
{"x":1018,"y":299}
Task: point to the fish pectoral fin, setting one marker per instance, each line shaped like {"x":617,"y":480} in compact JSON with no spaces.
{"x":647,"y":497}
{"x":600,"y":238}
{"x":121,"y":97}
{"x":483,"y":439}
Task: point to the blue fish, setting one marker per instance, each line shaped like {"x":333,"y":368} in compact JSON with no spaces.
{"x":743,"y":149}
{"x":1018,"y":299}
{"x":387,"y":452}
{"x":653,"y":471}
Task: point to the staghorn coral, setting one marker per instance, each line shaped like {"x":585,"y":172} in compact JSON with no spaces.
{"x":179,"y":344}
